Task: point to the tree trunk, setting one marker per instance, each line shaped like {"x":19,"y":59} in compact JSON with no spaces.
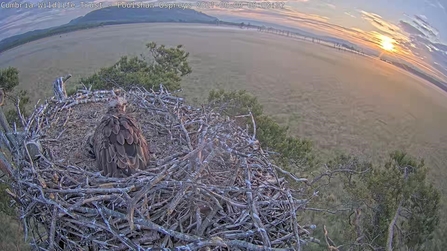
{"x":389,"y":241}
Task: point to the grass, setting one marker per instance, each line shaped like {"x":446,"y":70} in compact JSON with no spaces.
{"x":11,"y":234}
{"x":341,"y":101}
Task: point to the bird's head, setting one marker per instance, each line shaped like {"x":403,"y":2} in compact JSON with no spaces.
{"x":117,"y":105}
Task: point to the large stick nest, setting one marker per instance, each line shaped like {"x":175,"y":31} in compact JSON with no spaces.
{"x":211,"y":186}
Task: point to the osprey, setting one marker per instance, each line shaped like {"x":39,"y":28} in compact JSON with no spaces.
{"x":118,"y":143}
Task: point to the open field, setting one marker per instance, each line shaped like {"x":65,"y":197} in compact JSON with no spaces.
{"x":339,"y":100}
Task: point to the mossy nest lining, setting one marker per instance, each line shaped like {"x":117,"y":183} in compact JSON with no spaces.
{"x":209,"y":187}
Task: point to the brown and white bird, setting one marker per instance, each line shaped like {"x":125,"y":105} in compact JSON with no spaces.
{"x":118,"y":142}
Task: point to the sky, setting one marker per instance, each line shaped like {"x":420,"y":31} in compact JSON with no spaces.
{"x":411,"y":30}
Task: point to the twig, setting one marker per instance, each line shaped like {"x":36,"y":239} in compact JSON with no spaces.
{"x":53,"y":228}
{"x":254,"y":211}
{"x":330,"y":244}
{"x":22,"y":119}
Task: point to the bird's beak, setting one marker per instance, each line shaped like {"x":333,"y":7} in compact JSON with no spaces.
{"x":125,"y":103}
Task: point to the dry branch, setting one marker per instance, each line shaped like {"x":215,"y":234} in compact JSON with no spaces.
{"x":330,"y":244}
{"x":210,"y":185}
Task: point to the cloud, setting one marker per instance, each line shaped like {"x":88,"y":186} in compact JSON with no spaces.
{"x":422,"y":19}
{"x":432,"y":3}
{"x":430,"y":51}
{"x":407,"y":27}
{"x":285,"y":14}
{"x":440,"y":5}
{"x":421,"y":54}
{"x":15,"y":21}
{"x":416,"y":39}
{"x":378,"y":22}
{"x":437,"y":45}
{"x":292,"y":13}
{"x":418,"y":53}
{"x":349,"y":14}
{"x":425,"y":43}
{"x":427,"y":31}
{"x":422,"y":23}
{"x":436,"y":4}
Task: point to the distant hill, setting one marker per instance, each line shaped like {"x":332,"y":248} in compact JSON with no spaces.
{"x":143,"y":15}
{"x":109,"y":16}
{"x":439,"y":83}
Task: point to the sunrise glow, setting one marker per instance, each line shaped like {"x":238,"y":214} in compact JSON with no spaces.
{"x":387,"y":43}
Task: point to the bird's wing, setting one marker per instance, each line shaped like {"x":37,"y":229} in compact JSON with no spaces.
{"x":131,"y":145}
{"x":103,"y":148}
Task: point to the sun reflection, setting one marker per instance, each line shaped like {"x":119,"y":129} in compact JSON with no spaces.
{"x":387,"y":43}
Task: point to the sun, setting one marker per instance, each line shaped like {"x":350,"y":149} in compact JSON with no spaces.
{"x":387,"y":43}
